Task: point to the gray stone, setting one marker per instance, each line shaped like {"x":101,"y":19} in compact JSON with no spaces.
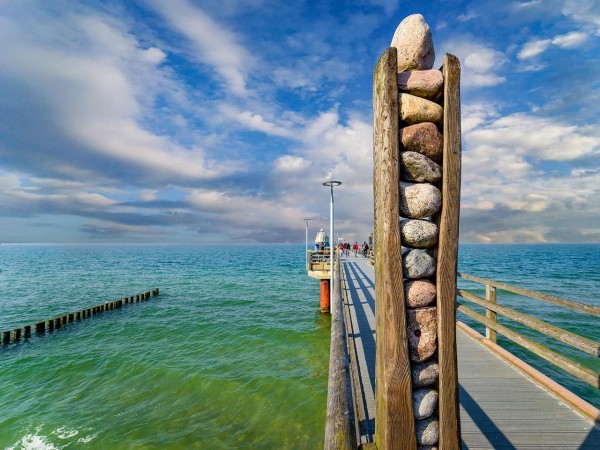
{"x":422,"y":83}
{"x":419,"y":200}
{"x":425,"y":402}
{"x":424,"y":374}
{"x":423,"y":138}
{"x":417,"y":264}
{"x":421,"y":327}
{"x":427,"y":431}
{"x":414,"y":43}
{"x":415,"y":109}
{"x":419,"y":293}
{"x":417,"y":233}
{"x":417,"y":167}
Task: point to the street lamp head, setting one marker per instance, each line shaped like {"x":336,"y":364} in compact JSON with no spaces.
{"x":332,"y":183}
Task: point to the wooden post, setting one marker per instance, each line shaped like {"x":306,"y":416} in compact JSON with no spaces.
{"x":137,"y":298}
{"x":50,"y":324}
{"x":71,"y":317}
{"x":395,"y":422}
{"x":78,"y":315}
{"x":40,"y":327}
{"x":17,"y":334}
{"x":325,"y":300}
{"x":57,"y":323}
{"x":449,"y":419}
{"x":27,"y":331}
{"x":63,"y":320}
{"x":6,"y":337}
{"x":490,"y":296}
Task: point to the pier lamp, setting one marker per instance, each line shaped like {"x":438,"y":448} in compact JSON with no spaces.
{"x":331,"y":184}
{"x":306,"y":252}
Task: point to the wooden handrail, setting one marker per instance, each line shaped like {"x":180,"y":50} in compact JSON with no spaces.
{"x":492,"y":326}
{"x":583,"y":373}
{"x":572,"y":339}
{"x":577,"y":306}
{"x":340,"y":431}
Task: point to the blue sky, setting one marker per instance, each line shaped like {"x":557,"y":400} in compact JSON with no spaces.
{"x":217,"y":121}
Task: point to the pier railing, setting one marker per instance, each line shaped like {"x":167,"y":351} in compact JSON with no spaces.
{"x":493,"y":327}
{"x":318,"y":260}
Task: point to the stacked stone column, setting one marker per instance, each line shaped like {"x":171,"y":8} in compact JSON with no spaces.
{"x":420,"y":119}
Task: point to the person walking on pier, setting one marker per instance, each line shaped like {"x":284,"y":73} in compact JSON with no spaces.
{"x":355,"y":249}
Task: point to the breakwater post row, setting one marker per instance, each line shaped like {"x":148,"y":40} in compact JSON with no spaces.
{"x":417,"y":194}
{"x":59,"y":322}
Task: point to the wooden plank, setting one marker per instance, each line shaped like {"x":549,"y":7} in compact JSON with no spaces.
{"x":449,"y":416}
{"x":395,"y":424}
{"x":339,"y":424}
{"x":575,"y":340}
{"x":490,"y":295}
{"x":577,"y":306}
{"x":583,"y":373}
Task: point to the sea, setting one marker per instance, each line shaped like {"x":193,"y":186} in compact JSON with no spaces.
{"x":232,"y":354}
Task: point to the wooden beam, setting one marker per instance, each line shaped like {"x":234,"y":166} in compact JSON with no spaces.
{"x":449,"y":419}
{"x":394,"y":417}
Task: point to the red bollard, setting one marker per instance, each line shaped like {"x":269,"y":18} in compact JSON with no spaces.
{"x":325,"y":301}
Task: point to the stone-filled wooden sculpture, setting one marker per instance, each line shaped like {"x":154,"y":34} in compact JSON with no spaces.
{"x":417,"y":195}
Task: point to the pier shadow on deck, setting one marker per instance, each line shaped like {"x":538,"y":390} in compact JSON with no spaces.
{"x":500,"y":407}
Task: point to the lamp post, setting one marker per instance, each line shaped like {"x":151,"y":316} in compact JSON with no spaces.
{"x":331,"y":184}
{"x":306,"y":252}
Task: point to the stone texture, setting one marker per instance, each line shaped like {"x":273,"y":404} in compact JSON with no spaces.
{"x":422,"y":83}
{"x":422,"y":332}
{"x":423,"y":138}
{"x":427,"y":431}
{"x":415,"y":109}
{"x":419,"y":200}
{"x":424,"y":374}
{"x":414,"y":43}
{"x":418,"y":293}
{"x":425,"y":402}
{"x":417,"y":233}
{"x":417,"y":264}
{"x":417,"y":167}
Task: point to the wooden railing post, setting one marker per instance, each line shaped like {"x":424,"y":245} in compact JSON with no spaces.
{"x":394,"y":416}
{"x":490,"y":296}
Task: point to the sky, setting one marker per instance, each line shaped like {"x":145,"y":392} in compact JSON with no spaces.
{"x":199,"y":121}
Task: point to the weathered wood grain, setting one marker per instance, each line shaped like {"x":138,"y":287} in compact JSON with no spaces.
{"x":490,"y":295}
{"x":447,"y":259}
{"x":339,"y":423}
{"x":394,"y":423}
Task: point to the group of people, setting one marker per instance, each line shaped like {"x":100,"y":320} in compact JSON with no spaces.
{"x":345,"y":249}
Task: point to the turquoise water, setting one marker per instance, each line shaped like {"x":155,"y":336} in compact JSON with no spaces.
{"x":232,"y":354}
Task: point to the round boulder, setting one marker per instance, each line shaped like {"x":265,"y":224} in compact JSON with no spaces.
{"x":427,"y":431}
{"x":424,"y":373}
{"x":419,"y":293}
{"x":414,"y":43}
{"x":417,"y":264}
{"x":422,"y":332}
{"x":422,"y":83}
{"x":417,"y":167}
{"x":423,"y":138}
{"x":419,"y":200}
{"x":418,"y":233}
{"x":425,"y":402}
{"x":415,"y":109}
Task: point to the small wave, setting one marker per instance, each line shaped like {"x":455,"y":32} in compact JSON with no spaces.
{"x":65,"y":433}
{"x":32,"y":442}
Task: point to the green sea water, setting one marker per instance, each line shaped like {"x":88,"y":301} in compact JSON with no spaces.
{"x":232,"y":354}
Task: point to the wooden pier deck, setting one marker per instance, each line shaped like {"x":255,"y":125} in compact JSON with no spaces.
{"x":500,"y":407}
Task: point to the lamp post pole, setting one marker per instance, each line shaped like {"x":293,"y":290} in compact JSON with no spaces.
{"x":331,"y":184}
{"x":306,"y":252}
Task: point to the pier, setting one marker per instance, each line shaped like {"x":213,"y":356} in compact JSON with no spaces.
{"x":501,"y":407}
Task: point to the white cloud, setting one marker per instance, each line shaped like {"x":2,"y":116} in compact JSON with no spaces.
{"x":480,"y":63}
{"x":290,"y":163}
{"x":534,"y":48}
{"x":585,"y":12}
{"x":216,"y":45}
{"x":255,"y":121}
{"x":570,"y":40}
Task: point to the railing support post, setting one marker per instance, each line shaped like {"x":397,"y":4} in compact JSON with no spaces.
{"x":490,"y":296}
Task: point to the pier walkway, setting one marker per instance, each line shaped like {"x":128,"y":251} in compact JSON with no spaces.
{"x":500,"y":407}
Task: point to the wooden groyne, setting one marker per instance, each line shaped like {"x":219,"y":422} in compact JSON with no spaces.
{"x":58,"y":322}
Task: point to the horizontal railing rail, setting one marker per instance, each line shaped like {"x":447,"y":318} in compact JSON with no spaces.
{"x":492,"y":309}
{"x":318,"y":260}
